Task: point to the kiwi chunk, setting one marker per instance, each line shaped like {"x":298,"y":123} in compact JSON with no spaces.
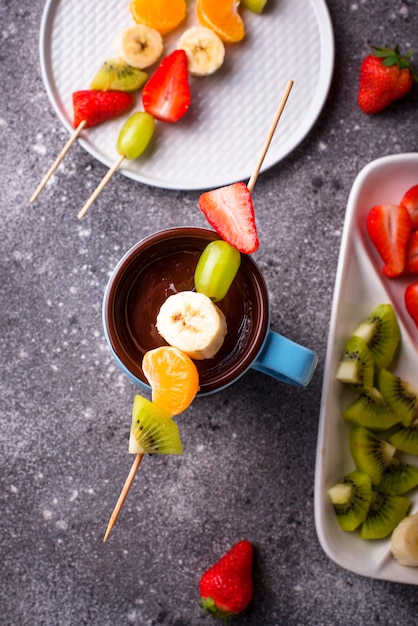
{"x":380,"y":330}
{"x":398,"y":478}
{"x":405,"y":438}
{"x":153,"y":431}
{"x":118,"y":75}
{"x":370,"y":453}
{"x":385,"y":513}
{"x":400,"y":395}
{"x":371,"y":411}
{"x":351,"y":498}
{"x":356,"y":367}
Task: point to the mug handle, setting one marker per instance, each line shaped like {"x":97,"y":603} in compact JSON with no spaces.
{"x":286,"y":360}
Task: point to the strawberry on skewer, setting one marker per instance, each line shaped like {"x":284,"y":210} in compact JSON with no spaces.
{"x":229,"y":210}
{"x":91,"y":107}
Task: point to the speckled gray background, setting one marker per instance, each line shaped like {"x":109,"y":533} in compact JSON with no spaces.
{"x":248,"y":467}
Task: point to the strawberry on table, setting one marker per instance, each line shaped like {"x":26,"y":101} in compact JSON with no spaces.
{"x":389,"y":227}
{"x":385,"y":76}
{"x":166,"y":95}
{"x":410,"y":201}
{"x":411,"y":301}
{"x":229,"y":210}
{"x":93,"y":106}
{"x":226,"y":588}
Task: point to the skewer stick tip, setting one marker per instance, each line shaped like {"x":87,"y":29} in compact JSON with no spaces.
{"x":122,"y":497}
{"x":101,"y":186}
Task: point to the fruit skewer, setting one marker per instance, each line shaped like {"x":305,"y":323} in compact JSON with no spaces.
{"x":138,"y":458}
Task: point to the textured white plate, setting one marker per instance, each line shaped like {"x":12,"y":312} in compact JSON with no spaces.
{"x":359,"y":287}
{"x":219,"y":140}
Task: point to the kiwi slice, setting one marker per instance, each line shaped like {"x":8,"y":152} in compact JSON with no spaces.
{"x":398,"y":478}
{"x":153,"y":431}
{"x":380,"y":330}
{"x":400,"y":395}
{"x":118,"y":75}
{"x":405,"y":438}
{"x":370,"y":453}
{"x":351,"y":498}
{"x":371,"y":411}
{"x":385,"y":513}
{"x":356,"y":366}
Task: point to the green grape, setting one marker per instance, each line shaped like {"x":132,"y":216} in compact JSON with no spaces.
{"x":216,"y":269}
{"x":135,"y":135}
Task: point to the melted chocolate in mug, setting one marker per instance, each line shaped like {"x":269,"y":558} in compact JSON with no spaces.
{"x":167,"y":267}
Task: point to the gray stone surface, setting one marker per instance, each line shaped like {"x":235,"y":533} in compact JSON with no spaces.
{"x":248,"y":469}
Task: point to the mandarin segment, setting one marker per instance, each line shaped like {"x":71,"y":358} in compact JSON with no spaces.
{"x":173,"y":377}
{"x":163,"y":15}
{"x":221,"y":17}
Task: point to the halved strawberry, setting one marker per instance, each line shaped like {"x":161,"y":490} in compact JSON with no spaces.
{"x":411,"y":301}
{"x":166,"y":95}
{"x":94,"y":106}
{"x":389,"y":227}
{"x":230,"y":211}
{"x":411,"y":263}
{"x":410,"y":201}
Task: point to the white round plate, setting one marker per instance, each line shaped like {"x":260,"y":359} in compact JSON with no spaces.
{"x":219,"y":140}
{"x":360,"y":286}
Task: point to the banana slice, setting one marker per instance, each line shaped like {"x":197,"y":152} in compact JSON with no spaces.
{"x":139,"y":45}
{"x":204,"y":49}
{"x":191,"y":322}
{"x":404,"y":541}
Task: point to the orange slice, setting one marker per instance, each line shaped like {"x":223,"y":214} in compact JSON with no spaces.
{"x":163,"y":15}
{"x":173,"y":377}
{"x":221,"y":17}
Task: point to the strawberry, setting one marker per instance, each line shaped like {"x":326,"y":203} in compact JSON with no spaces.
{"x":411,"y":301}
{"x":389,"y":227}
{"x":411,"y":262}
{"x":229,"y":210}
{"x":166,"y":95}
{"x":94,"y":106}
{"x":385,"y":76}
{"x":410,"y":201}
{"x":226,"y":588}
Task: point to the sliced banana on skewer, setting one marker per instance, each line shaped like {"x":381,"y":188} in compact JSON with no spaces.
{"x":404,"y":541}
{"x":204,"y":49}
{"x":139,"y":45}
{"x":191,"y":322}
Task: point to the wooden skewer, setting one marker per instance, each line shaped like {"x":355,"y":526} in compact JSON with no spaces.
{"x":269,"y":137}
{"x":123,"y":494}
{"x":101,"y":186}
{"x":250,"y":186}
{"x":58,"y":160}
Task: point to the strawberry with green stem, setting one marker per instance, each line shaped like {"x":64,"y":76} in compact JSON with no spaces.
{"x":385,"y":76}
{"x":226,"y":588}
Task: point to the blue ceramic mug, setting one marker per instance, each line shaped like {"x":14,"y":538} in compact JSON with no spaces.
{"x":163,"y":264}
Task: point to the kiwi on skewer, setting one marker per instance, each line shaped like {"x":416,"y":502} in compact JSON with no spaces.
{"x":351,"y":498}
{"x":153,"y":431}
{"x":116,"y":74}
{"x":356,"y":367}
{"x":371,"y":411}
{"x":385,"y":513}
{"x":400,"y":395}
{"x":380,"y":330}
{"x":398,"y":478}
{"x":370,"y":453}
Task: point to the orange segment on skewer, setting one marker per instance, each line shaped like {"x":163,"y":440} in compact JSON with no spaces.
{"x":173,"y":377}
{"x":221,"y":17}
{"x":163,"y":15}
